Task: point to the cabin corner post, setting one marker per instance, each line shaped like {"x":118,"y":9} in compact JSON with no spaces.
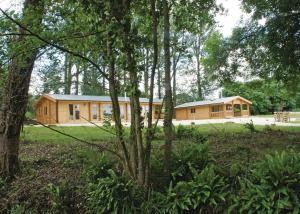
{"x":89,"y":109}
{"x":57,"y":119}
{"x":126,"y":112}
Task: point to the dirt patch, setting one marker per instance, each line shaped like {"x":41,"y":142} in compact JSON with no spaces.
{"x":41,"y":165}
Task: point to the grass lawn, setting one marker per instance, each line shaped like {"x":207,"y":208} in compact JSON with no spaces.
{"x":228,"y":143}
{"x":51,"y":158}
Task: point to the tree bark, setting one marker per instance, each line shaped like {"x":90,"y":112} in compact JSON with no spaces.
{"x":113,"y":90}
{"x":135,"y":93}
{"x":174,"y":67}
{"x":198,"y":55}
{"x":159,"y":79}
{"x":146,"y":73}
{"x":77,"y":80}
{"x":68,"y":74}
{"x":14,"y":102}
{"x":168,"y":90}
{"x":150,"y":133}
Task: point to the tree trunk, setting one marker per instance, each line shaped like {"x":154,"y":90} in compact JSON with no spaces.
{"x":14,"y":103}
{"x":134,"y":95}
{"x":150,"y":133}
{"x":159,"y":81}
{"x":174,"y":66}
{"x":68,"y":74}
{"x":77,"y":80}
{"x":113,"y":90}
{"x":104,"y":82}
{"x":197,"y":53}
{"x":168,"y":90}
{"x":146,"y":73}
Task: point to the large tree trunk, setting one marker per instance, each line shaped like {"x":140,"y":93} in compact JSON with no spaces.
{"x":168,"y":90}
{"x":14,"y":102}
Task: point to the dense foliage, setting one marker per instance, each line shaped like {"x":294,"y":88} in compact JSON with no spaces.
{"x":266,"y":96}
{"x":271,"y":186}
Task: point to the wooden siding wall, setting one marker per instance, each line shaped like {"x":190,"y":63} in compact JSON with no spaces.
{"x":48,"y":117}
{"x":58,"y":112}
{"x":205,"y":112}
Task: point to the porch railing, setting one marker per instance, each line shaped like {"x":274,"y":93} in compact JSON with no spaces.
{"x":217,"y":114}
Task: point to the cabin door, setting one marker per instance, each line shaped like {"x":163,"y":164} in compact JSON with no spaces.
{"x":237,"y":110}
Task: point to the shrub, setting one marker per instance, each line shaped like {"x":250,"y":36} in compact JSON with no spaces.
{"x":250,"y":126}
{"x":190,"y":132}
{"x":273,"y":186}
{"x":99,"y":169}
{"x":205,"y":192}
{"x":2,"y":185}
{"x":17,"y":209}
{"x":57,"y":197}
{"x":189,"y":155}
{"x":114,"y":194}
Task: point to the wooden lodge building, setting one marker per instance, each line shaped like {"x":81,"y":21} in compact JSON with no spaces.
{"x":226,"y":107}
{"x":66,"y":109}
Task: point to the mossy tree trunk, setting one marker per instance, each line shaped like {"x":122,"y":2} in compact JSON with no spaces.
{"x":14,"y":101}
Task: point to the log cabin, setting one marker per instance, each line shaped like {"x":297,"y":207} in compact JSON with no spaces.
{"x":72,"y":109}
{"x":227,"y":107}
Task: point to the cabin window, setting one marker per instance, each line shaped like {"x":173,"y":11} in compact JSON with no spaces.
{"x":95,"y":110}
{"x":228,"y":107}
{"x":244,"y":107}
{"x":45,"y":110}
{"x":129,"y":112}
{"x":193,"y":110}
{"x":122,"y":111}
{"x":71,"y":112}
{"x":144,"y":111}
{"x":107,"y":110}
{"x":77,"y":111}
{"x":216,"y":108}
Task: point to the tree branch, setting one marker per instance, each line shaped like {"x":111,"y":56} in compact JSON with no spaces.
{"x":55,"y":45}
{"x":100,"y":147}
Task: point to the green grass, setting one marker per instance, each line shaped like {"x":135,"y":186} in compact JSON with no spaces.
{"x":42,"y":134}
{"x":49,"y":157}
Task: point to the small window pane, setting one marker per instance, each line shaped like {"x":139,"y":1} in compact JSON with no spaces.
{"x":95,"y":110}
{"x":216,"y":108}
{"x":71,"y":112}
{"x":122,"y":111}
{"x":77,"y":111}
{"x":193,"y":110}
{"x":244,"y":107}
{"x":107,"y":110}
{"x":229,"y":107}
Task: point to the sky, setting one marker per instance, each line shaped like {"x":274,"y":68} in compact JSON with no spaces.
{"x":226,"y":22}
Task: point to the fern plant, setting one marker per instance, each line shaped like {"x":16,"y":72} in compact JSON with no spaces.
{"x":205,"y":192}
{"x":114,"y":194}
{"x":273,"y":186}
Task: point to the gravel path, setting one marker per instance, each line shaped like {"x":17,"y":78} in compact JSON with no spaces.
{"x":241,"y":120}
